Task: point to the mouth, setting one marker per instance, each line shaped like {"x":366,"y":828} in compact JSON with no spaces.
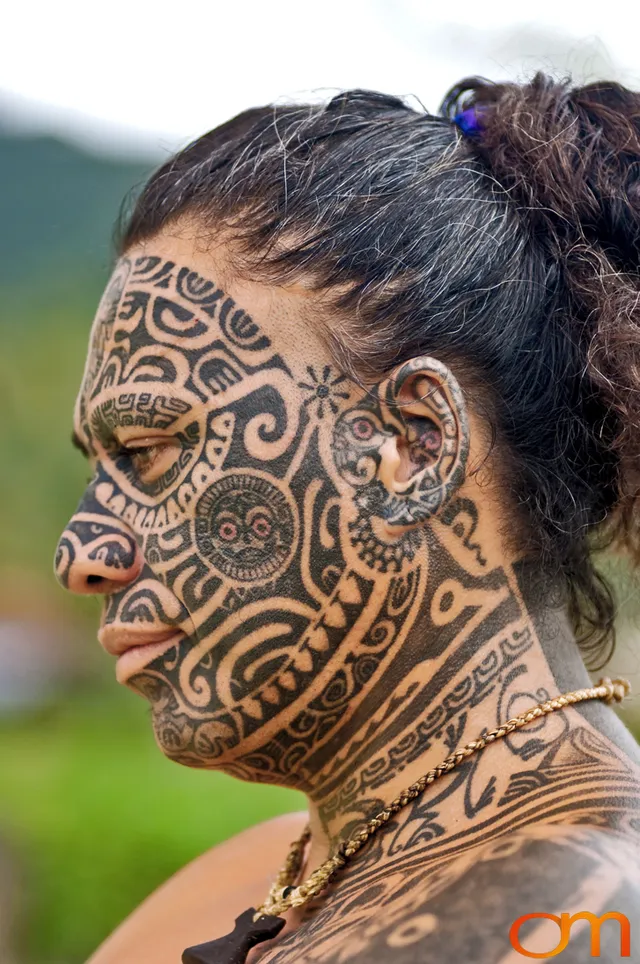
{"x":136,"y":648}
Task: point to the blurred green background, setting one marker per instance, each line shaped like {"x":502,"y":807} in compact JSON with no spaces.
{"x":92,"y":816}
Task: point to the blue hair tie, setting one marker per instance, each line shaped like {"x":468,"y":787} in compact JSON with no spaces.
{"x":468,"y":120}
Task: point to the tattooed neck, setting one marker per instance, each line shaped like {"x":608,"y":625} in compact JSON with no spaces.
{"x":473,"y":658}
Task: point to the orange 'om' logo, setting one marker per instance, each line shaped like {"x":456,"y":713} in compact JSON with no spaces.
{"x":564,"y":922}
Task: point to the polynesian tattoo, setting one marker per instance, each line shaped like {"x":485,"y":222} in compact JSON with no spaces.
{"x":460,"y":903}
{"x":264,"y":538}
{"x":329,"y":631}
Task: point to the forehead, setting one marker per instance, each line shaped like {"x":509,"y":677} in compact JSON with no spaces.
{"x":173,"y":320}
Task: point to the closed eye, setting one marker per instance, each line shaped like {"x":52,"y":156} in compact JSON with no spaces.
{"x":148,"y":459}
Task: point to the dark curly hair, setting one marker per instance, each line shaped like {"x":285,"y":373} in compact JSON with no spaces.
{"x":513,"y":255}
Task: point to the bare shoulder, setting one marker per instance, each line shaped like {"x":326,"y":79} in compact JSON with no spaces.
{"x":202,"y":899}
{"x":600,"y":842}
{"x":404,"y":910}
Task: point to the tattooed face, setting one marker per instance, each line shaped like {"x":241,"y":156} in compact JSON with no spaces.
{"x":257,"y":574}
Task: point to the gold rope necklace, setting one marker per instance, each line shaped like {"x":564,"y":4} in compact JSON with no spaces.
{"x":257,"y":925}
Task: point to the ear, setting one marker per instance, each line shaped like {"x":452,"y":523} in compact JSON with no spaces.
{"x":422,"y":462}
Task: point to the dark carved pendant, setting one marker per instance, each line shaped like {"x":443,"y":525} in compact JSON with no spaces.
{"x":233,"y":948}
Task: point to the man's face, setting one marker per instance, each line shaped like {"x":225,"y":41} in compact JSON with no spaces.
{"x":231,"y":521}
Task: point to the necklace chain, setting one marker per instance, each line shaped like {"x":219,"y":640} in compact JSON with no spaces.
{"x":283,"y":894}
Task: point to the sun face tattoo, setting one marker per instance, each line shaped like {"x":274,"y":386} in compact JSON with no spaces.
{"x":248,"y":491}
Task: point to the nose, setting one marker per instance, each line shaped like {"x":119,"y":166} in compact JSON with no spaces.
{"x":97,"y":555}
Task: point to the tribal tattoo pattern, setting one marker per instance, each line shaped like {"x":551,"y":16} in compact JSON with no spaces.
{"x":458,"y":903}
{"x":250,"y":495}
{"x":317,"y":624}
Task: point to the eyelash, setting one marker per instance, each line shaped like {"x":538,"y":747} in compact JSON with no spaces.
{"x":131,"y":453}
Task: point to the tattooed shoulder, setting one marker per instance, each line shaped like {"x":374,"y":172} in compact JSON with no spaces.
{"x":466,"y":908}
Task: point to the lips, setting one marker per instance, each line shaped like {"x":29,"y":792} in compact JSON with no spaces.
{"x":118,"y":639}
{"x":136,"y":648}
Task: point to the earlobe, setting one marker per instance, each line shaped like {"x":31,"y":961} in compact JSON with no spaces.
{"x":426,"y":462}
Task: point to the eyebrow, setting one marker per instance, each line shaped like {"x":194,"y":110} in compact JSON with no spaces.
{"x":77,"y":443}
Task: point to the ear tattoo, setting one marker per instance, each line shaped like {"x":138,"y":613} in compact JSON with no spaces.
{"x":438,"y":446}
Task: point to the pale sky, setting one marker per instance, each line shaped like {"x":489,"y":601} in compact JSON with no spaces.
{"x":131,"y":72}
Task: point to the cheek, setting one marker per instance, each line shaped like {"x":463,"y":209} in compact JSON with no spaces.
{"x":261,"y":524}
{"x":227,"y":531}
{"x":262,"y":530}
{"x":259,"y":543}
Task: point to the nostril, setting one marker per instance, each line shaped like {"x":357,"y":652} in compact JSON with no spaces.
{"x":92,"y":580}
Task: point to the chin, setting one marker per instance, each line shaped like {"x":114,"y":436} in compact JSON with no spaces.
{"x":194,"y":739}
{"x":203,"y":744}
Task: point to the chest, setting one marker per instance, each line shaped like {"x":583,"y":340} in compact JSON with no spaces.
{"x":367,"y":918}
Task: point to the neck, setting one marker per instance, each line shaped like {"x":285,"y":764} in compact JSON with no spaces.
{"x":484,"y":650}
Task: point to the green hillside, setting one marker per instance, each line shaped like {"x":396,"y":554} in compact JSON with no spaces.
{"x":57,"y":207}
